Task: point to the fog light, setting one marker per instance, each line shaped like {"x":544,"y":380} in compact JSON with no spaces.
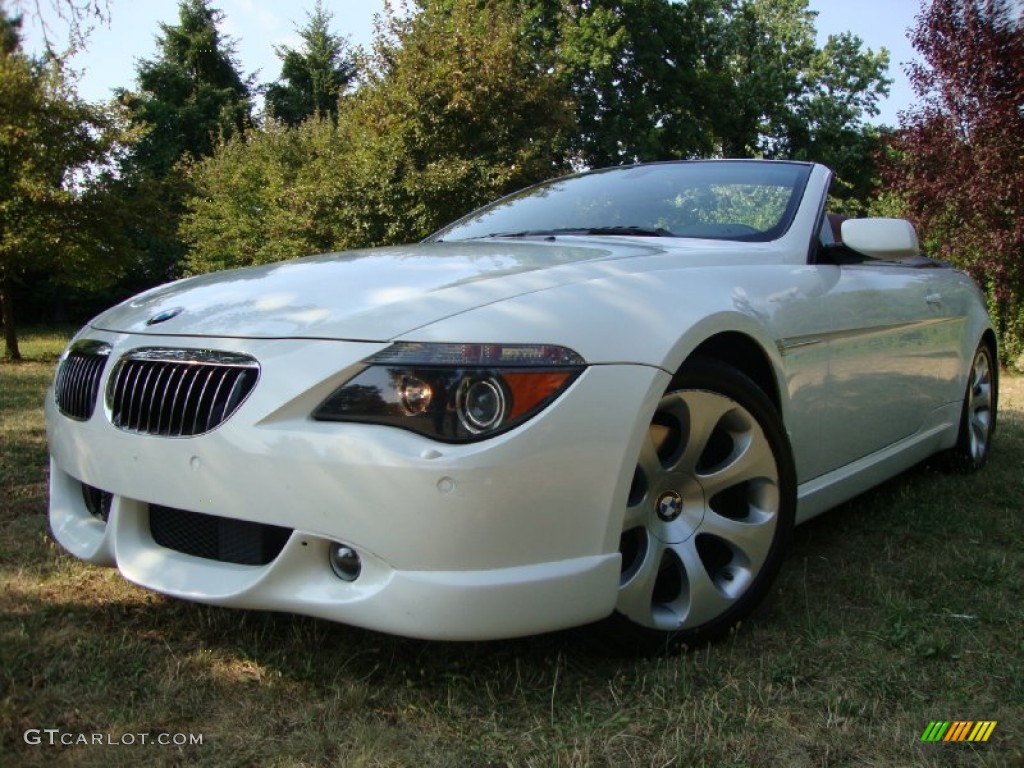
{"x":345,"y":562}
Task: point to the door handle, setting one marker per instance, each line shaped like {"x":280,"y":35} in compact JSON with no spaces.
{"x":933,"y":298}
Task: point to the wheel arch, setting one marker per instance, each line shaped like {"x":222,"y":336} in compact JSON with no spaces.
{"x":989,"y":339}
{"x":746,"y":355}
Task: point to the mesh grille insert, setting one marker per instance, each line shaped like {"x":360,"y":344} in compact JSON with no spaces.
{"x":178,"y":392}
{"x":216,"y":538}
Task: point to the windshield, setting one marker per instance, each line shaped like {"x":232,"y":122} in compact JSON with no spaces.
{"x":744,"y":200}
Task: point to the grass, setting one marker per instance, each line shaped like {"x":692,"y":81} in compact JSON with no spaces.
{"x":901,"y":607}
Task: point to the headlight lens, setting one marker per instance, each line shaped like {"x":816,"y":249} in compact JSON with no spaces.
{"x":454,"y":392}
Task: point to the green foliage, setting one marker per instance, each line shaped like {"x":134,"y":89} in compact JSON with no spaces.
{"x":653,"y":79}
{"x":956,"y":160}
{"x":54,"y":206}
{"x":191,"y":95}
{"x":464,"y":100}
{"x":314,"y":78}
{"x":781,"y":96}
{"x":455,"y":112}
{"x":272,"y":195}
{"x":635,"y":72}
{"x":471,"y":110}
{"x":189,"y":98}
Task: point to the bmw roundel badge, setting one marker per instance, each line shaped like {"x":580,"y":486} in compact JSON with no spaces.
{"x":669,"y":506}
{"x":163,"y":317}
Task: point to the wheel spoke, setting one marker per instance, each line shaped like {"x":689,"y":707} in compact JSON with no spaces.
{"x":706,"y":601}
{"x":636,"y":595}
{"x":979,"y":427}
{"x":753,"y":538}
{"x":982,"y":397}
{"x":979,"y":404}
{"x":699,"y":413}
{"x":752,"y":461}
{"x":635,"y":516}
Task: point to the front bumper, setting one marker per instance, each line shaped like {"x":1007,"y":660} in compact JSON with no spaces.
{"x":511,"y":536}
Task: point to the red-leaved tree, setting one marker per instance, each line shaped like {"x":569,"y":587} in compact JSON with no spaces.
{"x":957,"y":160}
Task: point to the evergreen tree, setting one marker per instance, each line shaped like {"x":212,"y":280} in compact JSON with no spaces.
{"x":313,"y":78}
{"x":191,"y":95}
{"x":455,"y":111}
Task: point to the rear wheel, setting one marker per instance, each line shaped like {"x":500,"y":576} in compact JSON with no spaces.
{"x":709,"y":512}
{"x":978,"y":414}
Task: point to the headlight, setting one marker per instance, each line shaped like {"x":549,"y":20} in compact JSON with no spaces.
{"x":454,"y":392}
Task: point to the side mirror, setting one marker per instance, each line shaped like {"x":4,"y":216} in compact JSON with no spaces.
{"x":881,"y":238}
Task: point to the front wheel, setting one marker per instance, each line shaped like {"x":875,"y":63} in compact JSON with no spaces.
{"x":709,"y":513}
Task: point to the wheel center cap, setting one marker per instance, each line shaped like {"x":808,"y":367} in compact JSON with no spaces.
{"x":669,"y":506}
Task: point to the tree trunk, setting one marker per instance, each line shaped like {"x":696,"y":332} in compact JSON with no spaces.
{"x":7,"y":317}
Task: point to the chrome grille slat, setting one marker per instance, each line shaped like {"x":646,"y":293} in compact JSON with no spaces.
{"x":84,"y":379}
{"x":178,"y":392}
{"x":76,"y":379}
{"x":82,"y":383}
{"x":159,"y":396}
{"x":76,"y":387}
{"x":221,"y":376}
{"x":174,"y":400}
{"x":199,"y":401}
{"x":188,"y":399}
{"x":139,"y":394}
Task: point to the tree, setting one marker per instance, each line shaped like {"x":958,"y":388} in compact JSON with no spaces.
{"x":956,"y":159}
{"x":314,"y":78}
{"x":53,"y":152}
{"x":464,"y":100}
{"x":273,"y":194}
{"x":191,"y":95}
{"x":455,"y":111}
{"x":654,"y":79}
{"x":464,"y":107}
{"x":775,"y":93}
{"x":635,"y":71}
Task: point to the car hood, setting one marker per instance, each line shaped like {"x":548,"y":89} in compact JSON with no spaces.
{"x":371,"y":295}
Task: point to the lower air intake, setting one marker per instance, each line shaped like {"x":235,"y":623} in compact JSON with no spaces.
{"x":216,"y":538}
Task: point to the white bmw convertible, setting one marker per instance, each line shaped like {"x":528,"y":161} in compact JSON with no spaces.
{"x":608,"y":397}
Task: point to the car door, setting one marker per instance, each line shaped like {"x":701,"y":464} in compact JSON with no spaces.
{"x":893,"y":351}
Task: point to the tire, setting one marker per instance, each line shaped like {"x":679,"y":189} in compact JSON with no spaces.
{"x":978,"y":413}
{"x":709,"y":514}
